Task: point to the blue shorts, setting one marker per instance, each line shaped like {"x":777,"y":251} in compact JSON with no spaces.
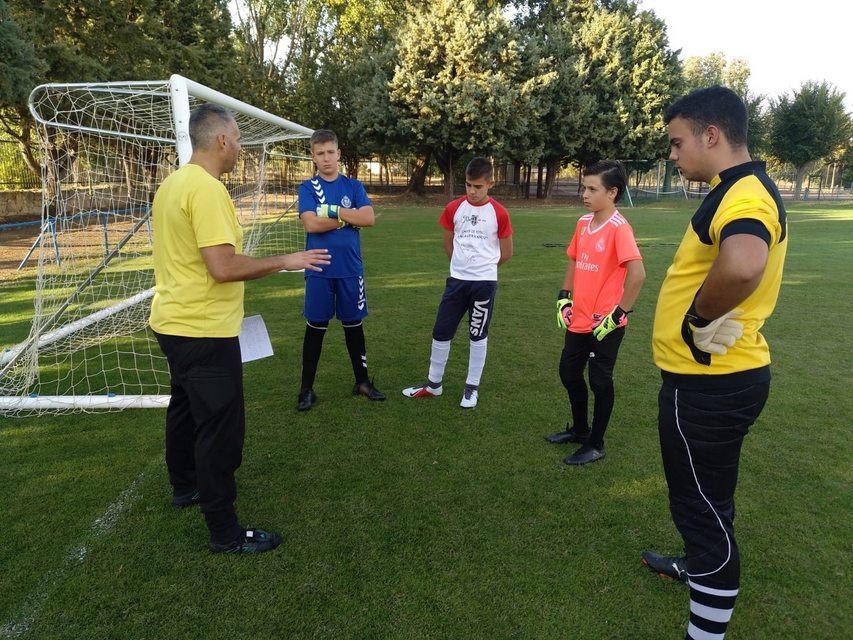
{"x":326,"y":298}
{"x":476,"y":297}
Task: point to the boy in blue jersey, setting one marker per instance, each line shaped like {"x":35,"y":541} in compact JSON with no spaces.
{"x":333,"y":208}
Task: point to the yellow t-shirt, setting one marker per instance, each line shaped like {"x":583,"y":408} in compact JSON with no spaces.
{"x":745,"y":200}
{"x":193,"y":210}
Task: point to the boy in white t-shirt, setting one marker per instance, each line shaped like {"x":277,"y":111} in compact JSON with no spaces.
{"x":477,"y":240}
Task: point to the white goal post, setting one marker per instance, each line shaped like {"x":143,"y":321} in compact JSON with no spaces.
{"x":105,"y":148}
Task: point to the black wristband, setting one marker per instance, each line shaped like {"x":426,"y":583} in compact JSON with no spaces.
{"x":564,"y":293}
{"x":695,"y":319}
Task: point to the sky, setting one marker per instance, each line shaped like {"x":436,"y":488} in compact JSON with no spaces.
{"x":785,"y":44}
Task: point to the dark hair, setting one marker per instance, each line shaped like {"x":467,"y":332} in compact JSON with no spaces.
{"x":479,"y":168}
{"x":718,"y":106}
{"x":323,"y":135}
{"x":207,"y":122}
{"x":612,"y":174}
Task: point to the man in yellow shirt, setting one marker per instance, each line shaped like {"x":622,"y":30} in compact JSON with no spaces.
{"x":723,"y":284}
{"x":196,"y":315}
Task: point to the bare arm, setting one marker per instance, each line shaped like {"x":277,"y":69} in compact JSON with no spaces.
{"x":225,"y":265}
{"x":634,"y":279}
{"x":506,"y":250}
{"x":448,"y":243}
{"x":361,"y":217}
{"x":313,"y":224}
{"x":569,"y":278}
{"x":735,"y":274}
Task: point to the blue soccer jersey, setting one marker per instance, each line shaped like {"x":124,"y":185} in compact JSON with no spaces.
{"x":343,"y":244}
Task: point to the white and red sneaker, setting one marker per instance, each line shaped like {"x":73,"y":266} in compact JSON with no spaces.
{"x":422,"y":391}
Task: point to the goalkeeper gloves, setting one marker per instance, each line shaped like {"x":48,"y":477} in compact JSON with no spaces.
{"x":716,"y":335}
{"x":327,"y":210}
{"x":617,"y":318}
{"x":564,"y":309}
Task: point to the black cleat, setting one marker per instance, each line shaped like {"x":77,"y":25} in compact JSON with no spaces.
{"x":666,"y":566}
{"x":306,"y":399}
{"x":186,"y":500}
{"x":251,"y":541}
{"x":367,"y":390}
{"x":569,"y":435}
{"x":585,"y":454}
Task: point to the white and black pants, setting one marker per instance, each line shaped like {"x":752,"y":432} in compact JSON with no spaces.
{"x":701,"y":433}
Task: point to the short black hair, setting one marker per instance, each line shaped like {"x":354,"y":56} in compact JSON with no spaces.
{"x":206,"y":122}
{"x":612,"y":174}
{"x":718,"y":106}
{"x":323,"y":135}
{"x":480,"y":168}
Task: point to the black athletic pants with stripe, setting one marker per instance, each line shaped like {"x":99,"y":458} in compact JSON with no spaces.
{"x":206,"y":426}
{"x":701,"y":433}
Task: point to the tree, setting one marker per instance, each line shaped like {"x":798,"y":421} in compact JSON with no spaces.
{"x":457,"y":85}
{"x":807,"y":126}
{"x":632,"y":76}
{"x":91,"y":41}
{"x":19,"y":65}
{"x":701,"y":72}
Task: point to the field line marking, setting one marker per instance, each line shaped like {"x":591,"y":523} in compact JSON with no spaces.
{"x":103,"y":525}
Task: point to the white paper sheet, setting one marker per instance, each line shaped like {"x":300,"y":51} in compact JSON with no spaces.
{"x":254,"y":339}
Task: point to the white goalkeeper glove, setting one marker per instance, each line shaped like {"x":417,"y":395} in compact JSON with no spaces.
{"x":719,"y":334}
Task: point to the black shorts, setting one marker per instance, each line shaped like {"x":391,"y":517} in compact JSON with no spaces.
{"x":477,"y":297}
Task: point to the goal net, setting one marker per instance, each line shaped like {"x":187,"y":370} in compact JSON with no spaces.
{"x":105,"y":148}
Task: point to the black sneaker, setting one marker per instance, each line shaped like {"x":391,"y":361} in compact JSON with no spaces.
{"x":585,"y":454}
{"x":666,"y":566}
{"x":186,"y":500}
{"x":306,"y":399}
{"x":252,"y":541}
{"x":569,"y":435}
{"x":367,"y":390}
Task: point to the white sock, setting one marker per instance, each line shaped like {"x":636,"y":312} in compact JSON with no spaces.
{"x":476,"y":362}
{"x":438,"y":360}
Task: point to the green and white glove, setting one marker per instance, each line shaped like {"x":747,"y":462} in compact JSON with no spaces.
{"x":616,"y":319}
{"x":717,"y":335}
{"x":564,"y":309}
{"x":327,"y":210}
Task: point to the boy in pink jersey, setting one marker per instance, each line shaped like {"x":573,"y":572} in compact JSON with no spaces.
{"x":477,"y":240}
{"x":602,"y":282}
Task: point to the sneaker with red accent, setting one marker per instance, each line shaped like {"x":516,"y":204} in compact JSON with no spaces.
{"x":674,"y":568}
{"x":422,"y":391}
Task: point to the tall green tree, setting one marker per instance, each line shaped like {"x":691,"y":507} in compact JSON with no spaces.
{"x":457,"y":85}
{"x":706,"y":71}
{"x":807,"y":126}
{"x":95,"y":41}
{"x":631,"y":74}
{"x":20,"y":69}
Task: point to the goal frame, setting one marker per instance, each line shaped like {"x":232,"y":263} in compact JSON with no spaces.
{"x":181,"y":91}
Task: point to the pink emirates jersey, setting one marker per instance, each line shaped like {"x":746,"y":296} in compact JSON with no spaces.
{"x":477,"y":231}
{"x":600,"y":256}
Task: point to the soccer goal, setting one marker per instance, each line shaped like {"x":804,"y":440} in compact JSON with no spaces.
{"x":105,"y":147}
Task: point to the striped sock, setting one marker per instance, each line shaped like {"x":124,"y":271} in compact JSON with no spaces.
{"x":710,"y":612}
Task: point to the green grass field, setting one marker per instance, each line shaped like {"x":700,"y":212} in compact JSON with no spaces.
{"x":417,"y":519}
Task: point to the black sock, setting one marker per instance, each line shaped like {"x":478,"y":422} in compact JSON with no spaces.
{"x":354,"y":335}
{"x":312,"y":346}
